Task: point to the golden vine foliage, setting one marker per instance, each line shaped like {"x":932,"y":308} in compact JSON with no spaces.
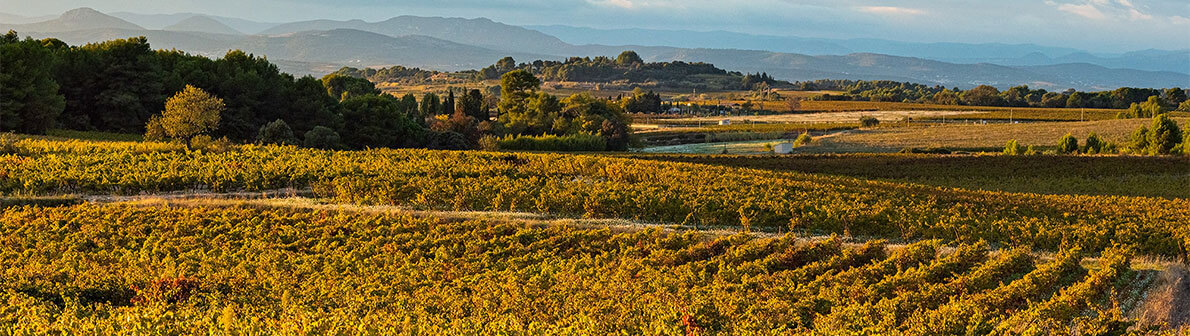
{"x":118,"y":269}
{"x":610,"y":187}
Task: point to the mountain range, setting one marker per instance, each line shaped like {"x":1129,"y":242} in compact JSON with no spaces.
{"x":321,"y":46}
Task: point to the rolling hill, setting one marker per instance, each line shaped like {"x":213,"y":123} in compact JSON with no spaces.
{"x":76,"y":19}
{"x":449,"y":44}
{"x":478,"y":32}
{"x":203,"y":24}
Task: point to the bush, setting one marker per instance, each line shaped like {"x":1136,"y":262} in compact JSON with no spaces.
{"x":322,"y":137}
{"x":1163,"y":136}
{"x":276,"y":133}
{"x":448,"y":140}
{"x":581,"y":142}
{"x":1094,"y":144}
{"x":1139,"y":143}
{"x":1012,"y":148}
{"x":1031,"y":151}
{"x":802,"y":140}
{"x":1068,"y":144}
{"x":206,"y":143}
{"x":869,"y":121}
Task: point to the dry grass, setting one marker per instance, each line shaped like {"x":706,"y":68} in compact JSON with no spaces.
{"x":1168,"y":302}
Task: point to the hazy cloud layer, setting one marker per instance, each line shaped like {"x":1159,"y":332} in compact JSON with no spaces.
{"x":1098,"y":25}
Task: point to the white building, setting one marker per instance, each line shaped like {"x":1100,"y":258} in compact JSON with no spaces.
{"x":783,"y":148}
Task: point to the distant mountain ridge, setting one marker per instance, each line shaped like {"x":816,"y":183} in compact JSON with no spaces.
{"x":478,"y":32}
{"x":451,"y":44}
{"x":203,"y":24}
{"x":998,"y":53}
{"x":76,"y":19}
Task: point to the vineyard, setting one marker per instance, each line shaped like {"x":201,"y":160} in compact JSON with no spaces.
{"x":1167,"y":177}
{"x":253,"y":270}
{"x":713,"y":248}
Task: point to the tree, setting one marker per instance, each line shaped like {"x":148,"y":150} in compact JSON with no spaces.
{"x":29,"y":98}
{"x":982,"y":95}
{"x":1077,"y":99}
{"x":1163,"y":135}
{"x":505,"y":65}
{"x":111,"y":86}
{"x":429,"y":105}
{"x":472,"y":105}
{"x":515,"y":89}
{"x":1094,"y":144}
{"x":187,"y":114}
{"x":342,"y":87}
{"x":1152,"y":107}
{"x":1174,"y":96}
{"x":322,"y":137}
{"x":376,"y":121}
{"x":1139,"y":141}
{"x":277,"y":133}
{"x":946,"y":97}
{"x":1068,"y":144}
{"x":628,"y":58}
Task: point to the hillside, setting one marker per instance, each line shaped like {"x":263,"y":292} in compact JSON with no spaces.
{"x":360,"y":48}
{"x":73,"y":20}
{"x":450,"y":44}
{"x":479,"y":32}
{"x":203,"y":24}
{"x":966,"y":53}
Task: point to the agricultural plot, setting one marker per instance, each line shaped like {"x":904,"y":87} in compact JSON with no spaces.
{"x":1167,"y":177}
{"x":155,"y":270}
{"x":529,"y":247}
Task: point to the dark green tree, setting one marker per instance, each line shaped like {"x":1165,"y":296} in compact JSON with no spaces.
{"x":628,"y":58}
{"x":1068,"y":144}
{"x":322,"y":137}
{"x":376,"y":121}
{"x":276,"y":133}
{"x":1163,"y":135}
{"x":29,"y":98}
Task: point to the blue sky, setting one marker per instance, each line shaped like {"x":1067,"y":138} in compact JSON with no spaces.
{"x":1096,"y":25}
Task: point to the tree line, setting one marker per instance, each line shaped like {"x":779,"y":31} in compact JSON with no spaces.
{"x":124,"y":86}
{"x":985,"y":95}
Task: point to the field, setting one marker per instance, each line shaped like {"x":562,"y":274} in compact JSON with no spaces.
{"x":389,"y":241}
{"x":1084,"y":175}
{"x":339,"y":272}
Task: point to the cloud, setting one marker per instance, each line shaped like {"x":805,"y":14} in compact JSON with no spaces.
{"x":1085,"y":10}
{"x":888,"y":10}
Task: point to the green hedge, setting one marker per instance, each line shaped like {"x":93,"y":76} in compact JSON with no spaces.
{"x":553,"y":143}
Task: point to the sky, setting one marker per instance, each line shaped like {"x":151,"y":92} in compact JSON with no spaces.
{"x":1096,"y":25}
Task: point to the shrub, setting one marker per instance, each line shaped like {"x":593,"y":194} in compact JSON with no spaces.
{"x":1163,"y":136}
{"x":1012,"y":148}
{"x":582,"y":142}
{"x":1031,"y":151}
{"x":206,"y":143}
{"x":1139,"y":143}
{"x":1094,"y":144}
{"x":802,"y":140}
{"x":322,"y":137}
{"x":277,"y":133}
{"x":869,"y":121}
{"x":1068,"y":144}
